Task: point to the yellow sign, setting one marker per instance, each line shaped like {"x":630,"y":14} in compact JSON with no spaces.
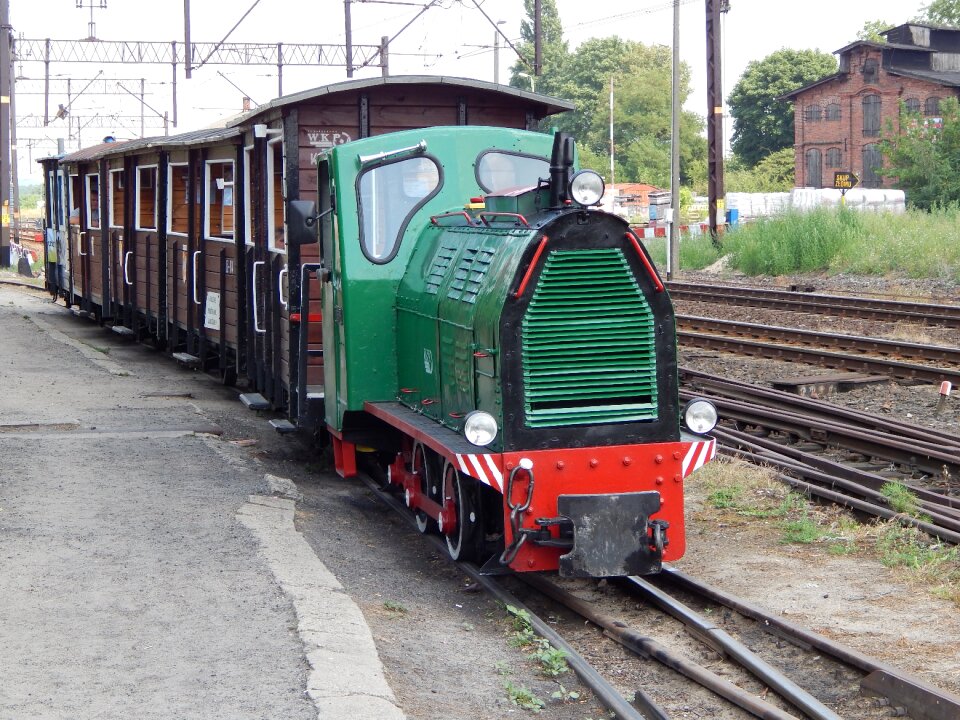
{"x":4,"y":219}
{"x":845,"y":180}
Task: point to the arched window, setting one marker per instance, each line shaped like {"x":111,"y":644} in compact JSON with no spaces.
{"x":932,"y":106}
{"x":871,"y":115}
{"x":871,"y":71}
{"x":812,"y":113}
{"x":912,"y":105}
{"x":872,"y":164}
{"x":834,"y":158}
{"x":814,"y":168}
{"x":833,"y":111}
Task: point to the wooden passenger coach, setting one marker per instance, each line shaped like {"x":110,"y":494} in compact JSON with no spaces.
{"x":184,"y":239}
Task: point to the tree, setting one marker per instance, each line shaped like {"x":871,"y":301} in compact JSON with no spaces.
{"x":762,"y":123}
{"x":871,"y":31}
{"x":553,"y":48}
{"x":774,"y":173}
{"x":942,"y":12}
{"x":925,"y":157}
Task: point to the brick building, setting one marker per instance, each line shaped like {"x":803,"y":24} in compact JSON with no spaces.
{"x":839,"y":120}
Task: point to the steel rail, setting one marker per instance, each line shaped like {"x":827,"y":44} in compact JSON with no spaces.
{"x":838,"y":473}
{"x":650,"y":648}
{"x":922,"y":700}
{"x":837,"y":305}
{"x":740,"y":390}
{"x":941,"y":525}
{"x":780,"y":683}
{"x":819,"y":357}
{"x":927,"y":456}
{"x":812,"y":338}
{"x":603,"y":690}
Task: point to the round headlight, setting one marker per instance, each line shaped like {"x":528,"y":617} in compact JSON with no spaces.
{"x":586,"y":188}
{"x":700,"y":416}
{"x":480,"y":428}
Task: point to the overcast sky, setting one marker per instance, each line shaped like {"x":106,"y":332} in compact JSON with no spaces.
{"x":451,"y":38}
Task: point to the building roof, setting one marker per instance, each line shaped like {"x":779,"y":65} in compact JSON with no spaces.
{"x":549,"y":105}
{"x":822,"y":81}
{"x":949,"y":79}
{"x":883,"y":46}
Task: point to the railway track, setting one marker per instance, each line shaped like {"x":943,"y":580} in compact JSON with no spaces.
{"x":820,"y":304}
{"x":869,"y":355}
{"x":907,"y":694}
{"x":792,"y":434}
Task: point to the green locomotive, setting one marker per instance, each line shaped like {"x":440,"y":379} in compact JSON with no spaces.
{"x":505,"y":349}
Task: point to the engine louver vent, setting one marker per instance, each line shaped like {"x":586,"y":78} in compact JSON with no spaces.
{"x":441,"y":262}
{"x":588,"y":348}
{"x":468,"y":277}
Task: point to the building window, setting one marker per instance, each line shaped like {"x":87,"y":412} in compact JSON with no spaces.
{"x":811,"y":113}
{"x":833,"y":111}
{"x":871,"y":115}
{"x":871,"y":71}
{"x":814,"y":167}
{"x":834,"y":158}
{"x":872,"y":164}
{"x":912,"y":105}
{"x":931,"y":107}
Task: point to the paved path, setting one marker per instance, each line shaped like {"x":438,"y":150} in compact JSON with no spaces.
{"x":138,"y":577}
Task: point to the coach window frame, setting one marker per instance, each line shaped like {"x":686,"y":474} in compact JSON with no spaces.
{"x":116,"y":188}
{"x":401,"y":229}
{"x":151,"y":170}
{"x":276,"y":197}
{"x":93,"y":200}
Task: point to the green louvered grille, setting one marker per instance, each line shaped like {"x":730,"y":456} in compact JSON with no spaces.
{"x":588,"y":343}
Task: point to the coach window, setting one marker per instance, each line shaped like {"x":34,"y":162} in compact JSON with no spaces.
{"x":147,"y":197}
{"x":833,"y":111}
{"x":116,"y":198}
{"x":276,"y":232}
{"x":178,"y":199}
{"x":247,"y":195}
{"x":912,"y":105}
{"x":93,"y":202}
{"x":219,"y":215}
{"x":871,"y":115}
{"x":833,"y":158}
{"x":814,"y":168}
{"x":388,"y":195}
{"x":498,"y":171}
{"x":931,"y":107}
{"x":811,"y":113}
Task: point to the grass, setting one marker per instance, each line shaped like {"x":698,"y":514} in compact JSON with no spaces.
{"x":523,"y":697}
{"x":735,"y":493}
{"x":394,"y":607}
{"x":915,"y":244}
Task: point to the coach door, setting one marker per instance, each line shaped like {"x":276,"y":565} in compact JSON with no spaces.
{"x":268,"y":357}
{"x":185,"y":202}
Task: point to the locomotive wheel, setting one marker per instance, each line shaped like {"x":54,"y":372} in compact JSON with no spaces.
{"x":423,"y":464}
{"x":464,"y":542}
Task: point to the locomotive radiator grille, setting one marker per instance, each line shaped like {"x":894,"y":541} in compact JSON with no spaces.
{"x":588,"y":349}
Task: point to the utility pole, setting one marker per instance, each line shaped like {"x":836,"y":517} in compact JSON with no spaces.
{"x":187,"y":48}
{"x":673,"y":254}
{"x":714,"y":117}
{"x":496,"y":55}
{"x":6,"y":38}
{"x":348,"y":30}
{"x":537,"y":37}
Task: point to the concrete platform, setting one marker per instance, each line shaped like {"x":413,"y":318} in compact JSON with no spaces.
{"x":148,"y":568}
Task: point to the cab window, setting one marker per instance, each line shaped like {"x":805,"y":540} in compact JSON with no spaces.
{"x":388,"y":195}
{"x":499,"y":171}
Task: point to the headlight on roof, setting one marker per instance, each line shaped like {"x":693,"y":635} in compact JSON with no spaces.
{"x":700,"y":416}
{"x":480,"y":428}
{"x":586,"y":188}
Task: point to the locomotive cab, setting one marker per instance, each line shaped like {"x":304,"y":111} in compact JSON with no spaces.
{"x":515,"y":357}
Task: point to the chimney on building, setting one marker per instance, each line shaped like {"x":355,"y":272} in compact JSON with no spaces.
{"x":246,"y":104}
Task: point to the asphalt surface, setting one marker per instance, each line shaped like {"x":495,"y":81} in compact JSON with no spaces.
{"x":147,"y":568}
